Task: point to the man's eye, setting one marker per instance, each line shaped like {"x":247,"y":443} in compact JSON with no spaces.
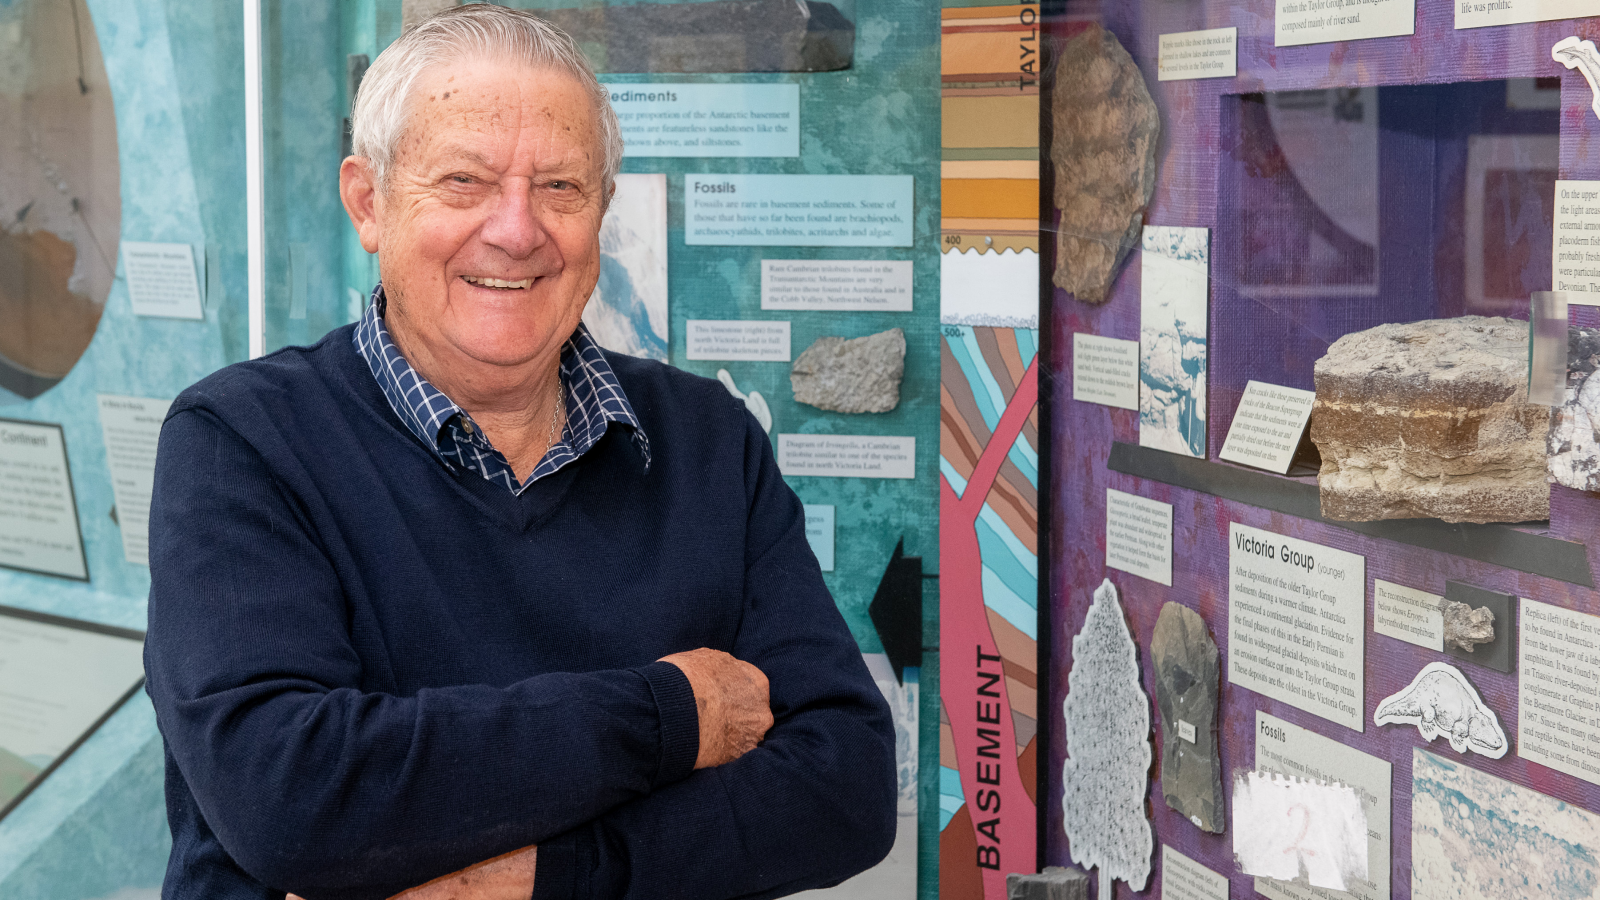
{"x":461,"y":179}
{"x":561,"y":185}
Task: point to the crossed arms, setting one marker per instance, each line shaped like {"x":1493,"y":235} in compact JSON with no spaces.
{"x":320,"y":788}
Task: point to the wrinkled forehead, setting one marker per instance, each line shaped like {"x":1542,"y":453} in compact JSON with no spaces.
{"x":458,"y":103}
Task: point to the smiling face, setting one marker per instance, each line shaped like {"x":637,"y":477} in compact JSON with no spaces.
{"x":487,"y":232}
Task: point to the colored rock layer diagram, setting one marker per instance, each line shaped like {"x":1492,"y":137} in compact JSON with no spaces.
{"x":988,"y":462}
{"x":988,"y":448}
{"x":989,"y":173}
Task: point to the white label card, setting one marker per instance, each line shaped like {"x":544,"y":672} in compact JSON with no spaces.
{"x":1576,"y":260}
{"x":38,"y":515}
{"x":1105,"y":370}
{"x":1213,"y":53}
{"x":701,"y":120}
{"x":162,"y":280}
{"x":1288,"y":749}
{"x":1184,"y":879}
{"x":819,"y":532}
{"x":1407,"y":614}
{"x":1558,"y":660}
{"x":847,"y":455}
{"x":131,"y":427}
{"x":1139,"y":536}
{"x":1320,"y":21}
{"x":1267,"y":426}
{"x":797,"y":210}
{"x":738,"y":340}
{"x":1186,"y":731}
{"x":1296,"y":623}
{"x":876,"y":285}
{"x":1478,"y":13}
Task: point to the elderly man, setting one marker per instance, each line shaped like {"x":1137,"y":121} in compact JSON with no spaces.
{"x":454,"y":585}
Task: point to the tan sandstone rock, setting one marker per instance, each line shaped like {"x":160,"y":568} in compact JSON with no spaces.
{"x":1103,"y":147}
{"x":1430,"y":419}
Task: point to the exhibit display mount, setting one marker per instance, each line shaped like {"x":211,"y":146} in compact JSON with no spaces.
{"x":1391,"y":191}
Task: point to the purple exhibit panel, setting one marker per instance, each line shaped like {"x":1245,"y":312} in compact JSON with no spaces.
{"x":1453,"y":217}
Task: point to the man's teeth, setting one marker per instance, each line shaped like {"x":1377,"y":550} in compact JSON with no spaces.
{"x":497,"y":283}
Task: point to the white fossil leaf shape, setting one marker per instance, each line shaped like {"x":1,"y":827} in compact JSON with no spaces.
{"x":1440,"y":701}
{"x":1581,"y":55}
{"x":753,"y":401}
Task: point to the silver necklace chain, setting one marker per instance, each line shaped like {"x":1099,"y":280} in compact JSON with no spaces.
{"x":558,"y":414}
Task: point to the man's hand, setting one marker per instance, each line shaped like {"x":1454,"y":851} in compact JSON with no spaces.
{"x":731,"y":697}
{"x":507,"y":877}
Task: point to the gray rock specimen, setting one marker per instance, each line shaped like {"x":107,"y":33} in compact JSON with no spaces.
{"x":1185,"y":658}
{"x":719,"y":36}
{"x":1106,"y":130}
{"x":1054,"y":883}
{"x":1441,"y":702}
{"x":1573,"y":444}
{"x":859,"y":375}
{"x":1466,"y":627}
{"x":1431,"y":419}
{"x":414,"y":11}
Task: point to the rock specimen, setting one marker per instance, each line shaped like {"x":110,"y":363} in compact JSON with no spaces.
{"x":1185,"y":658}
{"x":859,"y":375}
{"x":1573,"y":445}
{"x":1466,"y":627}
{"x":1106,"y":129}
{"x":1105,"y":776}
{"x":414,"y":11}
{"x":719,"y":36}
{"x":1440,"y":701}
{"x":1430,"y":419}
{"x":1054,"y":883}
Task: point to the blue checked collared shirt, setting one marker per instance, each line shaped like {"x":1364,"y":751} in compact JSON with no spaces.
{"x":594,"y":401}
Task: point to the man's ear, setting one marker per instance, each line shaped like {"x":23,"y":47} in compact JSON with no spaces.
{"x":358,"y":188}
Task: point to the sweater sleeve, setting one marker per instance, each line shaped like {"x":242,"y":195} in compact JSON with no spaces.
{"x":813,"y":804}
{"x":317,"y":787}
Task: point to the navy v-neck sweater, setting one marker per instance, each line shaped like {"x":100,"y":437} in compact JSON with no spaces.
{"x":371,"y":669}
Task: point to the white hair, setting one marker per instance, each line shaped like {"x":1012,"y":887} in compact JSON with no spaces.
{"x":379,"y":115}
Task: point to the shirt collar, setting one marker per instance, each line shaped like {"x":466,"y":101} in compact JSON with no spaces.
{"x":594,"y":397}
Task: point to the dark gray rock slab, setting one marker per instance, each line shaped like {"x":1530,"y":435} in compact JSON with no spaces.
{"x":721,"y":36}
{"x":1186,"y":665}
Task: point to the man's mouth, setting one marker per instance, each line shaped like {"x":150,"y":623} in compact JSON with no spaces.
{"x":499,"y":283}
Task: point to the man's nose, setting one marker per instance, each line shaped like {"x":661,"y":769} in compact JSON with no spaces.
{"x":515,"y":223}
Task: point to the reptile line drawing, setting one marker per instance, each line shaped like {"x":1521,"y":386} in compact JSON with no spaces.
{"x":1440,"y":701}
{"x":1581,"y":55}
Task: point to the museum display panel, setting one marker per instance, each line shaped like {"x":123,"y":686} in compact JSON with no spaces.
{"x":122,"y":281}
{"x":775,"y":227}
{"x":1321,"y":601}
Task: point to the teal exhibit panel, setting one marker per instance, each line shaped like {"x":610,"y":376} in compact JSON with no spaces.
{"x":775,"y":227}
{"x":122,"y":281}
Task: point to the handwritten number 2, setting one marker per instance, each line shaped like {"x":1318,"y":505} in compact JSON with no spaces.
{"x":1305,"y":826}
